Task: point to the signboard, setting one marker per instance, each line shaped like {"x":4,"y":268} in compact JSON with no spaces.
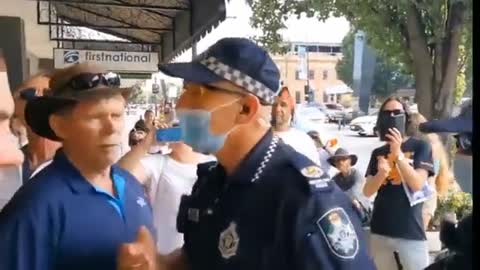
{"x":155,"y":88}
{"x":111,"y":60}
{"x":302,"y":65}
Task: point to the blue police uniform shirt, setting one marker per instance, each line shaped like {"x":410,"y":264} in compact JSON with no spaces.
{"x":58,"y":220}
{"x":273,"y":212}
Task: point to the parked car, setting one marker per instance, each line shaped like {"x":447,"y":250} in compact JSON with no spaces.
{"x":365,"y":125}
{"x":335,"y":111}
{"x":310,"y":113}
{"x":306,"y":125}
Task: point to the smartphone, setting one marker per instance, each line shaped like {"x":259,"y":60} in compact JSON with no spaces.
{"x":169,"y":135}
{"x":391,"y":121}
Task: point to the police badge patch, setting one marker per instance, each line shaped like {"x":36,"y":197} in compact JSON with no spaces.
{"x":339,"y":233}
{"x":228,"y":242}
{"x":312,"y":172}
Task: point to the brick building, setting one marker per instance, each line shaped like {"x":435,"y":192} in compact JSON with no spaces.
{"x":322,"y":61}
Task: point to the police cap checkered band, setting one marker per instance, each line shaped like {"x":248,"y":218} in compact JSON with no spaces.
{"x":239,"y":78}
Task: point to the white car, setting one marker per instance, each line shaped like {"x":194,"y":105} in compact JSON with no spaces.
{"x":365,"y":125}
{"x":311,"y":113}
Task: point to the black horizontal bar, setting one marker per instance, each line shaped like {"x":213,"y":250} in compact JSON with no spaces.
{"x":103,"y":41}
{"x":81,"y":24}
{"x":117,"y":4}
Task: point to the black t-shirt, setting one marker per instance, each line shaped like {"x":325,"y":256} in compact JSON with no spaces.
{"x":392,"y":214}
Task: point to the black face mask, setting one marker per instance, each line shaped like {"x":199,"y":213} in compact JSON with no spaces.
{"x":391,"y":119}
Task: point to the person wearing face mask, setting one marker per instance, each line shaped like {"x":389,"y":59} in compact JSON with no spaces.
{"x":395,"y":171}
{"x":263,"y":205}
{"x":39,"y":151}
{"x":166,"y":178}
{"x":11,"y":157}
{"x":282,"y":117}
{"x":457,"y":237}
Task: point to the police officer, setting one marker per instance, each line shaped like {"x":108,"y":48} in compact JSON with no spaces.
{"x":456,"y":237}
{"x":263,"y":206}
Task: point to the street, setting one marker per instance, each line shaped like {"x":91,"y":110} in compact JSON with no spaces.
{"x":353,"y":143}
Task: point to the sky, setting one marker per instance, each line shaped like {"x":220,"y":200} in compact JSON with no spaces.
{"x":304,"y":29}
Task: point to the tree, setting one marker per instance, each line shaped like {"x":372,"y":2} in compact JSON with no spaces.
{"x":423,"y":36}
{"x":388,"y":77}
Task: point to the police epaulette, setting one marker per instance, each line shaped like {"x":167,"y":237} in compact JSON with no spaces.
{"x":305,"y":166}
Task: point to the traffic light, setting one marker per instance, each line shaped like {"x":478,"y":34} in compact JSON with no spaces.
{"x":309,"y":94}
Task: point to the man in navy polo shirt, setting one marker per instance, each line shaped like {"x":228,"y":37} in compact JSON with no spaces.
{"x":264,"y":205}
{"x":76,"y":212}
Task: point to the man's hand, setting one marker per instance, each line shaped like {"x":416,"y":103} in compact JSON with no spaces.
{"x":383,"y":166}
{"x":395,"y":141}
{"x":139,"y":255}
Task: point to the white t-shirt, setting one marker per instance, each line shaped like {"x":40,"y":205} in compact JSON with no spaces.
{"x":167,"y":181}
{"x":301,"y":142}
{"x":324,"y":165}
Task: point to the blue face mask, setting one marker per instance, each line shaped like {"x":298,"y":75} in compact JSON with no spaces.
{"x":195,"y":126}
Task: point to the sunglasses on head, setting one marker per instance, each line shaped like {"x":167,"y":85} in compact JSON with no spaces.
{"x":86,"y":81}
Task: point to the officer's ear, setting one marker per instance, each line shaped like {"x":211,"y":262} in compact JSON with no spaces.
{"x":250,"y":107}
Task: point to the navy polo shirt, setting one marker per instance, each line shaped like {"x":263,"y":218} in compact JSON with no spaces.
{"x":58,"y":220}
{"x":267,"y":215}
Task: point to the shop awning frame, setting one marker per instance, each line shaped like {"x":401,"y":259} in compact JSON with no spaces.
{"x":168,"y":27}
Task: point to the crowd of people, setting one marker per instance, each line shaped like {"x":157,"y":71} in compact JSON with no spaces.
{"x":242,"y":189}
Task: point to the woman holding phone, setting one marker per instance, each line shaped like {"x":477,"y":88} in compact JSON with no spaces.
{"x":403,"y":163}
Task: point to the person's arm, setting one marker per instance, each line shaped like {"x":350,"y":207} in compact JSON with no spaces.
{"x":373,"y":184}
{"x":317,"y":241}
{"x":377,"y":171}
{"x":416,"y":175}
{"x":173,"y":261}
{"x":131,"y":162}
{"x":142,"y":255}
{"x":357,"y":189}
{"x":415,"y":178}
{"x":26,"y":241}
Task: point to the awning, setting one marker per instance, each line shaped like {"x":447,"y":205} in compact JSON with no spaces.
{"x":338,"y":90}
{"x":166,"y":26}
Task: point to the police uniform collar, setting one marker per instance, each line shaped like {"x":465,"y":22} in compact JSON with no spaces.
{"x":72,"y":175}
{"x":248,"y":170}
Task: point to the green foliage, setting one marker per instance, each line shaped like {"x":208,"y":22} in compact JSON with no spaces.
{"x":416,"y":35}
{"x":388,"y":77}
{"x":457,"y":202}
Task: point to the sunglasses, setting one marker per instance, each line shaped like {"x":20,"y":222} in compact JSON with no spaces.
{"x":86,"y":81}
{"x":392,"y":112}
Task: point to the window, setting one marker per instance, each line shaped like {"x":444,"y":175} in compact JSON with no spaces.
{"x":311,"y":75}
{"x":325,"y":74}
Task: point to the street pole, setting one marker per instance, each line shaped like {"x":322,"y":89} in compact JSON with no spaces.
{"x":308,"y":74}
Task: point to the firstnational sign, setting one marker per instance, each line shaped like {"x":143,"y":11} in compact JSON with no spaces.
{"x":111,"y":60}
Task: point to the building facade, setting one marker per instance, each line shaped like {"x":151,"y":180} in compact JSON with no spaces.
{"x":322,"y":59}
